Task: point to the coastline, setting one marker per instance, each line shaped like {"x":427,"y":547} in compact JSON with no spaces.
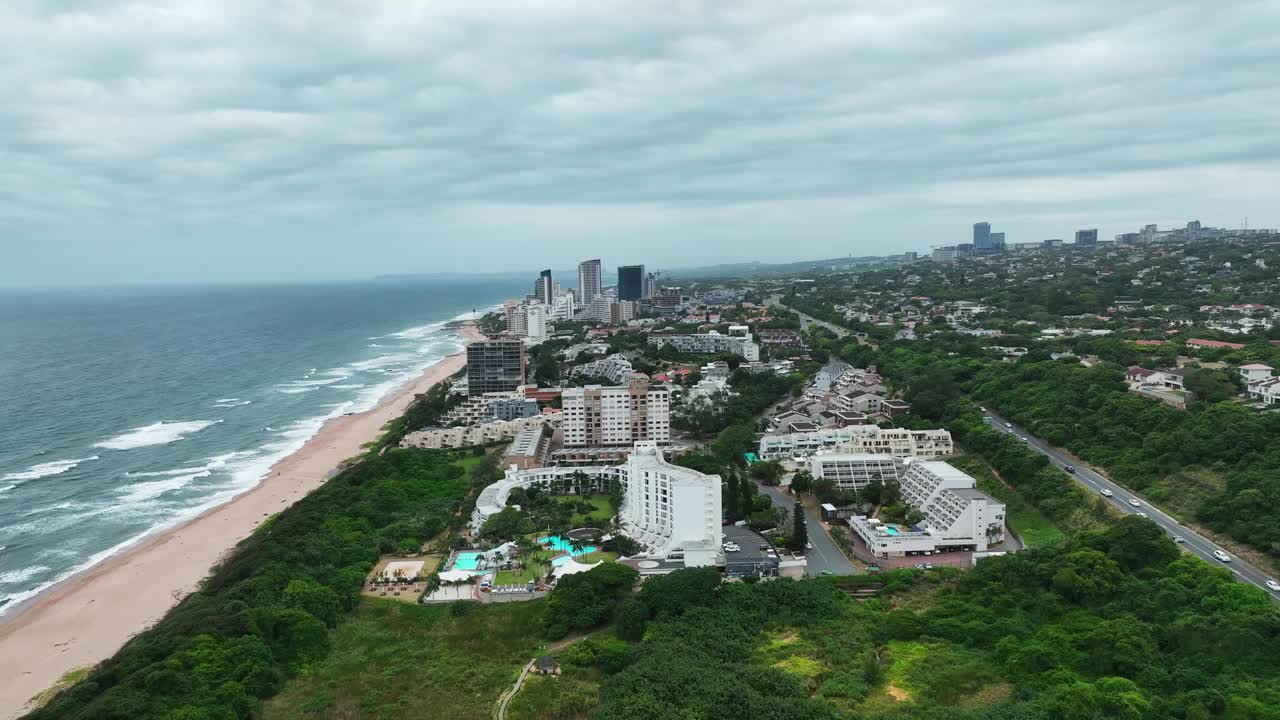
{"x":86,"y":618}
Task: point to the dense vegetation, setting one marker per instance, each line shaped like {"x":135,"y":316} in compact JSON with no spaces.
{"x":1141,"y":443}
{"x":751,"y":394}
{"x":1110,"y":624}
{"x":265,"y":614}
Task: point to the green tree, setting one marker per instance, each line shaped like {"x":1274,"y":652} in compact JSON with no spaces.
{"x":799,"y":533}
{"x":733,"y":497}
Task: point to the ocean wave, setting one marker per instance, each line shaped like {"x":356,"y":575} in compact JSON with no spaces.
{"x":7,"y":488}
{"x":156,"y":488}
{"x":348,"y":386}
{"x":22,"y":574}
{"x":296,"y":390}
{"x":57,"y":467}
{"x":161,"y":433}
{"x":231,"y":403}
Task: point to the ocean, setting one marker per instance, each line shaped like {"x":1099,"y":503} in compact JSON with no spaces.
{"x":126,"y":411}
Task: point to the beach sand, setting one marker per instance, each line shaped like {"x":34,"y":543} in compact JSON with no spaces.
{"x":87,"y":618}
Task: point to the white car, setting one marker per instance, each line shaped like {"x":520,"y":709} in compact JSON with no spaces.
{"x":1179,"y":539}
{"x":1222,"y":556}
{"x":1134,"y":502}
{"x":1008,"y":425}
{"x":1142,"y":515}
{"x":808,"y":546}
{"x":1106,"y":493}
{"x":1273,"y":585}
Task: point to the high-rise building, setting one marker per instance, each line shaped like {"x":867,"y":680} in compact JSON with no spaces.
{"x":997,"y":241}
{"x":517,"y":321}
{"x":621,"y":312}
{"x":589,"y":281}
{"x":596,"y":416}
{"x":544,"y":291}
{"x":631,"y":282}
{"x":563,"y":307}
{"x":536,"y":322}
{"x":495,"y":366}
{"x":982,"y":236}
{"x":1087,"y":237}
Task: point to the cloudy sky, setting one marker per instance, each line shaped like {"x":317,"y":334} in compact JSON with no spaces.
{"x":310,"y":139}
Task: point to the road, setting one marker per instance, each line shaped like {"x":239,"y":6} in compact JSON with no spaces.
{"x":1194,"y":543}
{"x":806,"y":320}
{"x":824,"y":556}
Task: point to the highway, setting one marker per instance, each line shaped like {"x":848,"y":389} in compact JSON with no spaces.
{"x":1120,"y":496}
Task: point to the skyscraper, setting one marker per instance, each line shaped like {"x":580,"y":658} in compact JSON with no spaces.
{"x":997,"y":241}
{"x":1087,"y":237}
{"x":544,"y":288}
{"x":982,"y":236}
{"x":589,"y":285}
{"x":630,"y":282}
{"x":495,"y":366}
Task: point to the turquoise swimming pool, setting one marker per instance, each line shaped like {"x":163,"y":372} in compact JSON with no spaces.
{"x":555,"y":542}
{"x":466,"y":561}
{"x":890,"y":530}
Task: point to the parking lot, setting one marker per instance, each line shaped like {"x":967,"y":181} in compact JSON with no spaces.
{"x":750,"y":560}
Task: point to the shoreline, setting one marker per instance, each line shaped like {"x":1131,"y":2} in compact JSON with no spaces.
{"x":87,"y":617}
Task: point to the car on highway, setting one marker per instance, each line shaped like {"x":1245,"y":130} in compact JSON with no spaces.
{"x":1069,"y":468}
{"x":1008,"y":425}
{"x":1134,"y":502}
{"x":1222,"y":556}
{"x":1179,"y":539}
{"x":1273,"y":585}
{"x":1106,"y":493}
{"x":1143,"y":515}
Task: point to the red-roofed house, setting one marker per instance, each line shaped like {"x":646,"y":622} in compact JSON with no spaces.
{"x":663,"y":377}
{"x":1198,"y":342}
{"x":1138,"y":374}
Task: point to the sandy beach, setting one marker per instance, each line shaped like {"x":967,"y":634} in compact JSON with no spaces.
{"x":87,"y":618}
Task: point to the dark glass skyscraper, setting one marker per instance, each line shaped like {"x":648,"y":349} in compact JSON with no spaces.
{"x":495,"y":366}
{"x":544,"y":287}
{"x":630,"y":282}
{"x":1087,"y":237}
{"x":982,"y":236}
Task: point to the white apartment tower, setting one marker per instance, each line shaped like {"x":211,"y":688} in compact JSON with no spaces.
{"x":596,"y":416}
{"x":589,"y":284}
{"x":670,"y":509}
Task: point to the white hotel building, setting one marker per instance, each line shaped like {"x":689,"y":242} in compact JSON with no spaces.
{"x":957,"y":516}
{"x":673,"y":512}
{"x":855,"y":471}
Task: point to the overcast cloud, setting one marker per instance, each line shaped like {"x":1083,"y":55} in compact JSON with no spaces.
{"x":240,"y":139}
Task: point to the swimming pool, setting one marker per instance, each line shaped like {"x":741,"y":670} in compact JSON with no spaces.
{"x":890,"y":530}
{"x":466,"y":561}
{"x":558,"y":543}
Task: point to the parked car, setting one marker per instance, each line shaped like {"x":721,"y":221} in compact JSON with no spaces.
{"x":1106,"y":493}
{"x":920,"y":566}
{"x":808,"y":546}
{"x":1273,"y":585}
{"x":1222,"y":556}
{"x":928,"y":566}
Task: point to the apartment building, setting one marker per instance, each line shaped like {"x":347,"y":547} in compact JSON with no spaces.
{"x":615,"y":368}
{"x":710,"y":344}
{"x":495,"y":366}
{"x":597,"y":416}
{"x":855,"y":471}
{"x":857,"y":440}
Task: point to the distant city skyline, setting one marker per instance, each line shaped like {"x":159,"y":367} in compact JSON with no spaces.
{"x":238,"y":141}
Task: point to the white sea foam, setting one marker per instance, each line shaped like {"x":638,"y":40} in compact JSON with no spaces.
{"x":22,"y":574}
{"x":57,"y":467}
{"x":161,"y":433}
{"x":297,"y":390}
{"x":348,"y":386}
{"x":231,"y":403}
{"x":7,"y":488}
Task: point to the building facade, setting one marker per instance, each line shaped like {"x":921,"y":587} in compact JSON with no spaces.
{"x":710,"y":344}
{"x":631,"y":282}
{"x":858,"y":440}
{"x":495,"y":366}
{"x":1087,"y":237}
{"x":596,"y":416}
{"x":589,"y":281}
{"x":855,"y":471}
